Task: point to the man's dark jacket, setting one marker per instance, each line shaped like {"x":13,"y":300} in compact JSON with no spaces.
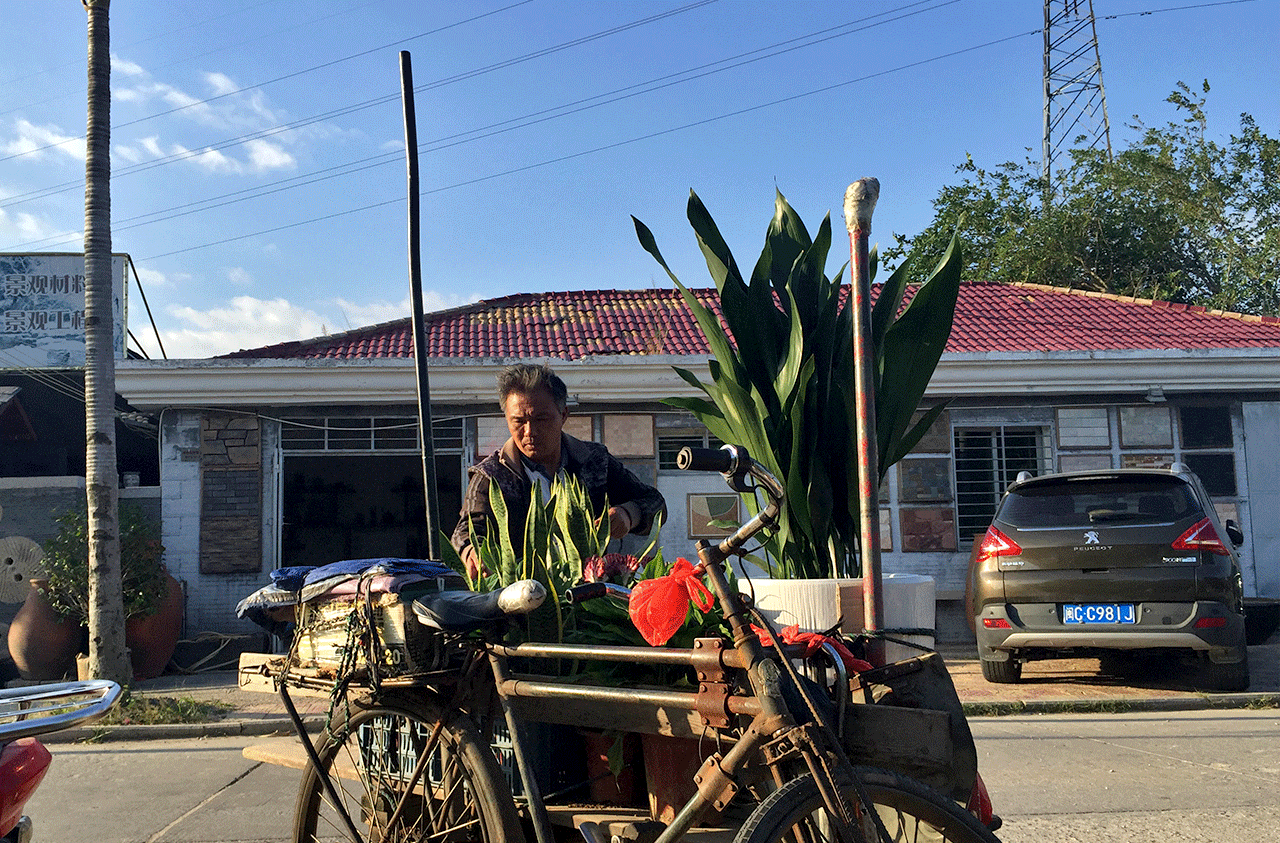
{"x":601,"y":474}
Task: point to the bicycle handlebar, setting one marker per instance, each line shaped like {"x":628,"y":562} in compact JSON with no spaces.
{"x":736,"y":464}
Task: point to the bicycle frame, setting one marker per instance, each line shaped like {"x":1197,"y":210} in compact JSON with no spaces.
{"x":739,"y":701}
{"x":713,"y":704}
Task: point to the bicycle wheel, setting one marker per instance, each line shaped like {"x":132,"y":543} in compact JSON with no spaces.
{"x":458,"y":795}
{"x":910,"y":811}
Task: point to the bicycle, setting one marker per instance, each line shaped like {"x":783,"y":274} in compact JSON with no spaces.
{"x":408,"y":757}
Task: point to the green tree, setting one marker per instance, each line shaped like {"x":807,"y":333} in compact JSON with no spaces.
{"x":782,"y":376}
{"x":1175,"y":216}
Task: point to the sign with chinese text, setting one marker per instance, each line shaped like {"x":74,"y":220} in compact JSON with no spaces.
{"x":42,"y":310}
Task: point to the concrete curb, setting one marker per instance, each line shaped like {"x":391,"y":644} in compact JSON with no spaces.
{"x":259,"y":727}
{"x":274,"y":726}
{"x":1112,"y":705}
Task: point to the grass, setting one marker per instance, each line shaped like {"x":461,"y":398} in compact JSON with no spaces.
{"x":136,"y":709}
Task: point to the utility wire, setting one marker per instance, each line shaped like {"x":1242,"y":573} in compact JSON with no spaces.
{"x":307,"y":121}
{"x":508,"y":125}
{"x":187,"y":58}
{"x":606,"y":147}
{"x":439,"y":144}
{"x":457,"y":78}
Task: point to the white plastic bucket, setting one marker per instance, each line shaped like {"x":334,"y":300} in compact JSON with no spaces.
{"x":818,"y":605}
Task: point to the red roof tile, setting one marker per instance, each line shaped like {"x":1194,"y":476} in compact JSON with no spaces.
{"x":989,"y":317}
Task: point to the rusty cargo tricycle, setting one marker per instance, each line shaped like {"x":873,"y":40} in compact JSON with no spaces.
{"x":426,"y":700}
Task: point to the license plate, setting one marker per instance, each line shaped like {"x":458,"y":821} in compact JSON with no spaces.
{"x":1099,"y":613}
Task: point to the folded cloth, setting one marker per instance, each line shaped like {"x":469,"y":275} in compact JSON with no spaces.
{"x":291,"y":578}
{"x":325,"y":578}
{"x":270,"y":607}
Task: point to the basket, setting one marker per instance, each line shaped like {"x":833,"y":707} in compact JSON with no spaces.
{"x":333,"y":635}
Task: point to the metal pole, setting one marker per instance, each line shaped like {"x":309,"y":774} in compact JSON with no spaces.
{"x":859,"y":203}
{"x":419,"y":332}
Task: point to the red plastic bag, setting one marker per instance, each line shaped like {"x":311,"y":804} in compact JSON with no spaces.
{"x":812,"y":642}
{"x":658,"y":606}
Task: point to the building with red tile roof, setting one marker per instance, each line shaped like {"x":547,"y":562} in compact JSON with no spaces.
{"x":577,"y":325}
{"x":1039,"y":378}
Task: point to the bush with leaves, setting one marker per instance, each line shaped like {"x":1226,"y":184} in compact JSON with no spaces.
{"x":142,"y":571}
{"x":782,"y":376}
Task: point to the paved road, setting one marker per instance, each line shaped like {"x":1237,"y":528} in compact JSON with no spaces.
{"x":1184,"y":776}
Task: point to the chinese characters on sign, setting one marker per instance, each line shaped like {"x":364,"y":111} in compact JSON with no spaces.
{"x":42,"y":309}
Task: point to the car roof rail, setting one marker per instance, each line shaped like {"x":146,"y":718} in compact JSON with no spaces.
{"x":1180,"y":468}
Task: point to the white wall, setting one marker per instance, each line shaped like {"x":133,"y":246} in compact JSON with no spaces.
{"x":1262,"y":467}
{"x":211,"y":598}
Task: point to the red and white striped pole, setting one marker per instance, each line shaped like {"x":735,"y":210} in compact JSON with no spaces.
{"x":859,"y":204}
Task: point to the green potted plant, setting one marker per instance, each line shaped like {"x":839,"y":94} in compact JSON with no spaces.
{"x":782,"y":367}
{"x":152,"y":598}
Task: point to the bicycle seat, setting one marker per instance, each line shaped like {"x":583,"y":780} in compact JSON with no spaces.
{"x":462,"y":611}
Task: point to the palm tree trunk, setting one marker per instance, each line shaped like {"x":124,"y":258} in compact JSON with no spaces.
{"x":108,"y":658}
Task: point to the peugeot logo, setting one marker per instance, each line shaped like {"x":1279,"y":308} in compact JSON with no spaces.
{"x":1091,"y":537}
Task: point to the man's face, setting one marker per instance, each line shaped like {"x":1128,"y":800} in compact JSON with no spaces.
{"x":535,"y":422}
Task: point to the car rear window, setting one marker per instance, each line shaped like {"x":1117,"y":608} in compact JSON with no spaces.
{"x":1070,"y":503}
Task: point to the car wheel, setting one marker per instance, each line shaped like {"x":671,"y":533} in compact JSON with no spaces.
{"x":1005,"y":672}
{"x":1228,"y":678}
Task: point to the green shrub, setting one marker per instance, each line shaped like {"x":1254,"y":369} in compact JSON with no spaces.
{"x":142,"y":573}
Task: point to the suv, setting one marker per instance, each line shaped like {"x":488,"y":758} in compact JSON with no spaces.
{"x":1117,"y":564}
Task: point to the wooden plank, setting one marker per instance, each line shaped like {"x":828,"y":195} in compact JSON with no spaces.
{"x":282,"y":752}
{"x":258,"y":672}
{"x":640,"y":717}
{"x":912,"y":741}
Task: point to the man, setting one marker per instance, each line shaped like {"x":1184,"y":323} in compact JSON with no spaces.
{"x":535,"y":402}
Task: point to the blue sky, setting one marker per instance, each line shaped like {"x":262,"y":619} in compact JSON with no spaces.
{"x":258,"y":144}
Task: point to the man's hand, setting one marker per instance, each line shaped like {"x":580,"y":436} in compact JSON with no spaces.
{"x":472,"y":561}
{"x":620,"y":522}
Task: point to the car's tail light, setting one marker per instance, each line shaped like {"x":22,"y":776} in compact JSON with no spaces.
{"x":996,"y":544}
{"x":996,"y":623}
{"x":1202,"y":536}
{"x":1211,"y":623}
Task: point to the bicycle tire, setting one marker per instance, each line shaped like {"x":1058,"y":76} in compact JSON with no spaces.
{"x":911,"y":813}
{"x":370,"y":757}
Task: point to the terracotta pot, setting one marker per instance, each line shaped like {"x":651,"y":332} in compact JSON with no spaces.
{"x":669,"y":767}
{"x":606,"y":788}
{"x":42,"y":644}
{"x":152,"y":639}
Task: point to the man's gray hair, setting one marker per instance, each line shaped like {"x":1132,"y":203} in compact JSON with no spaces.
{"x":526,"y":378}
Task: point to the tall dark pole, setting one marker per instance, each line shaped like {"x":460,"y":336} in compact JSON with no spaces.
{"x":419,"y":331}
{"x":859,"y":203}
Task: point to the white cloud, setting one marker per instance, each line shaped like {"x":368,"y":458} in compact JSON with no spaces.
{"x":38,"y":141}
{"x":249,"y":322}
{"x":124,"y":67}
{"x":22,"y":227}
{"x":239,"y":276}
{"x":246,"y":322}
{"x":153,"y":278}
{"x":269,"y":156}
{"x":220,"y":83}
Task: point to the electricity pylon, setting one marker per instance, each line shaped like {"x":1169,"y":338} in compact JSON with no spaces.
{"x":1075,"y":103}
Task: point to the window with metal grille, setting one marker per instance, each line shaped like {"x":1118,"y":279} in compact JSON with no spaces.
{"x":987,"y":460}
{"x":367,"y":433}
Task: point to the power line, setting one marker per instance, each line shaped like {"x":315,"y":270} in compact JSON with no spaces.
{"x":457,"y":78}
{"x":375,"y":161}
{"x":275,"y":130}
{"x":606,"y":147}
{"x":508,"y":125}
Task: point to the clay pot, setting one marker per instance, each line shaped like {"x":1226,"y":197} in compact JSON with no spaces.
{"x":42,"y":644}
{"x":152,"y":639}
{"x":669,"y":766}
{"x":606,"y":788}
